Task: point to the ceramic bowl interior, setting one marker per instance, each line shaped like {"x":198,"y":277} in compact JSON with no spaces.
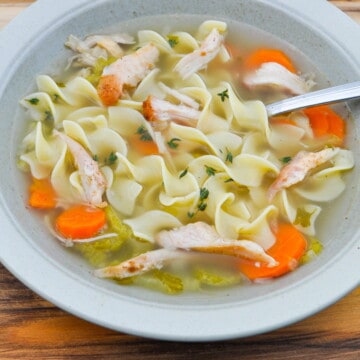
{"x":63,"y":278}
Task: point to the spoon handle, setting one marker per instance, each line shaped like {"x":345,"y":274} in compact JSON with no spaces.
{"x":324,"y":96}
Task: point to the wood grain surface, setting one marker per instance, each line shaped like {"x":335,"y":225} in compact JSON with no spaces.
{"x":32,"y":328}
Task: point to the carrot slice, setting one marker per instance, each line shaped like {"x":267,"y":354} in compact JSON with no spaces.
{"x":290,"y":245}
{"x":80,"y":222}
{"x":42,"y":194}
{"x":325,"y":121}
{"x":260,"y":56}
{"x":144,"y":147}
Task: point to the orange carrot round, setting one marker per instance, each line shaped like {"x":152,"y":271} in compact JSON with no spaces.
{"x":80,"y":222}
{"x":260,"y":56}
{"x":42,"y":194}
{"x":290,"y":245}
{"x":325,"y":121}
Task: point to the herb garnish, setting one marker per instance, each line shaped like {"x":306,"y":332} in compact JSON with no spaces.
{"x":144,"y":133}
{"x":173,"y":40}
{"x":48,"y":116}
{"x":204,"y":193}
{"x":183,"y":173}
{"x":224,"y":94}
{"x":95,"y":157}
{"x":173,"y":143}
{"x":210,"y":171}
{"x":229,"y":156}
{"x":229,"y":180}
{"x":33,"y":101}
{"x":201,"y":206}
{"x":286,"y":159}
{"x":111,"y":159}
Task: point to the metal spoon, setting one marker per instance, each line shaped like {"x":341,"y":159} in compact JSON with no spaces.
{"x":324,"y":96}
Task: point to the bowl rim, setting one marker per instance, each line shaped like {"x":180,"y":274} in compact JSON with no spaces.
{"x":187,"y":323}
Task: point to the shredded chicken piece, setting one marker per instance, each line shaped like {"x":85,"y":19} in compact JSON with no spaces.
{"x":127,"y":71}
{"x":182,"y":98}
{"x":158,"y":110}
{"x":110,"y":42}
{"x":96,"y":46}
{"x":297,"y":169}
{"x":92,"y":180}
{"x":202,"y":237}
{"x":274,"y":75}
{"x":199,"y":58}
{"x":154,"y":259}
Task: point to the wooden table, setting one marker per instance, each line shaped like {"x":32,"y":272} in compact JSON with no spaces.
{"x":32,"y":328}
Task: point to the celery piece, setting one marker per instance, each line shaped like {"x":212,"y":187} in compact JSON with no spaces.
{"x":161,"y":281}
{"x":171,"y":283}
{"x":314,"y":249}
{"x":116,"y":225}
{"x":206,"y":277}
{"x":98,"y":68}
{"x":99,"y":253}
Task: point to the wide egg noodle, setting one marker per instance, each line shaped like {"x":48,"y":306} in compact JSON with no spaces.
{"x":327,"y":184}
{"x":46,"y":153}
{"x":39,"y":106}
{"x":289,"y":208}
{"x":150,"y":36}
{"x":126,"y":121}
{"x":82,"y":92}
{"x":38,"y":171}
{"x":62,"y":180}
{"x":122,"y":190}
{"x":152,"y":169}
{"x":148,"y":86}
{"x":185,"y":43}
{"x":226,"y":224}
{"x":259,"y":229}
{"x":286,"y":138}
{"x":147,"y":225}
{"x":86,"y":112}
{"x":253,"y":169}
{"x":249,"y":115}
{"x":93,"y":123}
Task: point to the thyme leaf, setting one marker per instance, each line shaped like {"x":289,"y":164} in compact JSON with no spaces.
{"x":173,"y":143}
{"x":111,"y":159}
{"x":144,"y":134}
{"x":229,"y":156}
{"x":204,"y":193}
{"x":33,"y":101}
{"x":183,"y":173}
{"x":173,"y":40}
{"x":223,"y":95}
{"x":210,"y":171}
{"x":286,"y":159}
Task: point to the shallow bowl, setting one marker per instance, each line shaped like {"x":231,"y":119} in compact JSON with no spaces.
{"x":33,"y":43}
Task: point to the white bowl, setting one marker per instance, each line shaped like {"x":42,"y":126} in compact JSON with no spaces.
{"x":33,"y":43}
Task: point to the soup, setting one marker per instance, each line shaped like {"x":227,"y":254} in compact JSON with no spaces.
{"x":145,"y":158}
